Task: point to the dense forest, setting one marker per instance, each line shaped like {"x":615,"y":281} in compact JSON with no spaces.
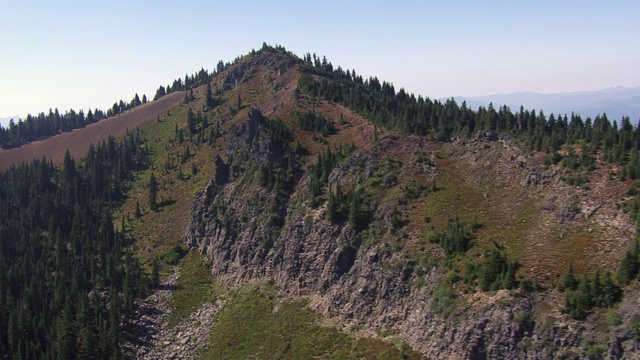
{"x":67,"y":277}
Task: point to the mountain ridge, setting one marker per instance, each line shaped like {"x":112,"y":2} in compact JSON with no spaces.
{"x":77,"y":142}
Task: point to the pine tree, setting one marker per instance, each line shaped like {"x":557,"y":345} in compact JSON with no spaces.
{"x":153,"y":193}
{"x":155,"y":273}
{"x":358,"y":215}
{"x":137,"y":212}
{"x":629,"y":266}
{"x":595,"y":291}
{"x":584,"y":293}
{"x":569,"y":280}
{"x":191,"y":122}
{"x":510,"y":277}
{"x":211,"y":103}
{"x":610,"y":291}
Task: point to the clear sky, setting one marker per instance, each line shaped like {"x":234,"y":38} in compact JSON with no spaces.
{"x":88,"y":54}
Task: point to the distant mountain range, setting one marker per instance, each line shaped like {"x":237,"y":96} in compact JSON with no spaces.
{"x":615,"y":102}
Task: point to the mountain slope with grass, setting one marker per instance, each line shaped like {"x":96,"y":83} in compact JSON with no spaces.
{"x":292,"y":209}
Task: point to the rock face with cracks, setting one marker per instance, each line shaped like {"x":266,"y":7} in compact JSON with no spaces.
{"x":250,"y":232}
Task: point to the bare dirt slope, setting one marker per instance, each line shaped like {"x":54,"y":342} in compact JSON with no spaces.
{"x":78,"y":140}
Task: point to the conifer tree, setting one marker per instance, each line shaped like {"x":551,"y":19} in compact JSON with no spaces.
{"x":629,"y":265}
{"x":569,"y":280}
{"x":153,"y":193}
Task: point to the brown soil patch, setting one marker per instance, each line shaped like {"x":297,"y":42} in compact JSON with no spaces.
{"x":78,"y":140}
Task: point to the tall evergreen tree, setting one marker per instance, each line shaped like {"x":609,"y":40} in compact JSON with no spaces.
{"x":153,"y":193}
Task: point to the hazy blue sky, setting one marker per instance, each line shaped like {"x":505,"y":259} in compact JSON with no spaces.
{"x":81,"y":54}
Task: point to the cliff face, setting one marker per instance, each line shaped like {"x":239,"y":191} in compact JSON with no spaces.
{"x":250,"y":231}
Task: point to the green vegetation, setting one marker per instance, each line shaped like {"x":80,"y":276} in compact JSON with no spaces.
{"x":67,"y":277}
{"x":311,"y":121}
{"x":400,"y":111}
{"x":576,"y":143}
{"x":454,"y":239}
{"x":629,"y":265}
{"x":254,"y":324}
{"x":190,"y":82}
{"x":37,"y":127}
{"x":496,"y":272}
{"x":279,"y":175}
{"x":589,"y":292}
{"x":195,"y":287}
{"x":153,"y":193}
{"x":444,"y":300}
{"x":633,"y":205}
{"x":350,"y":205}
{"x":43,"y":125}
{"x":327,"y":160}
{"x":175,"y":153}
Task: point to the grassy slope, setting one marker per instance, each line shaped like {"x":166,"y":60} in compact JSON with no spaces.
{"x":157,"y":232}
{"x":512,"y":214}
{"x":195,"y":287}
{"x":491,"y":190}
{"x":255,"y":325}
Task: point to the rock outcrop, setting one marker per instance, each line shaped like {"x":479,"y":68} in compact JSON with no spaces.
{"x":250,"y":232}
{"x":148,"y":336}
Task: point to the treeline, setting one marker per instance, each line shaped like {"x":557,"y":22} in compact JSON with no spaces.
{"x":404,"y":112}
{"x":37,"y":127}
{"x":40,"y":126}
{"x":43,"y":125}
{"x":202,"y":77}
{"x":68,"y":278}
